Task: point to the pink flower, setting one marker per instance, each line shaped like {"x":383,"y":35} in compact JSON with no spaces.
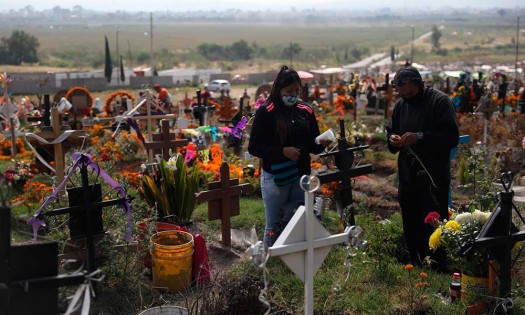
{"x":260,"y":101}
{"x":432,"y":219}
{"x":523,"y":142}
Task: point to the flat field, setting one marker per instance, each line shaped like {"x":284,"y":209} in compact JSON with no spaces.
{"x":482,"y":41}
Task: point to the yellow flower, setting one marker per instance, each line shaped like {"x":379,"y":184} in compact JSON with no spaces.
{"x":453,"y":226}
{"x":435,"y":239}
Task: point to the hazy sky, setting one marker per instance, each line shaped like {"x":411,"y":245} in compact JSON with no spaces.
{"x":219,"y":5}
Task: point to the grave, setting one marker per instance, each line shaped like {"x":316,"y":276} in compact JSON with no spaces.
{"x":164,"y":142}
{"x":29,"y":278}
{"x":344,"y":160}
{"x":499,"y":235}
{"x":61,"y":138}
{"x":223,"y":200}
{"x":85,"y":210}
{"x":304,"y":243}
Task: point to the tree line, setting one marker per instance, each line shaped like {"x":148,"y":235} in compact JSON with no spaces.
{"x":18,"y":48}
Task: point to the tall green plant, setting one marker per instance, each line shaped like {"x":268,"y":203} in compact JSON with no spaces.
{"x":173,"y":192}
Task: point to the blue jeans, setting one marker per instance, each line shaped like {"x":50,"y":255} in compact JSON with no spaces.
{"x":280,"y":203}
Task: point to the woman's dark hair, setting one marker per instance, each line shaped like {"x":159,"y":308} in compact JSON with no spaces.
{"x":285,"y":77}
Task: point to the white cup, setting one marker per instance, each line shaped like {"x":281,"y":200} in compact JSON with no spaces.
{"x":327,"y":135}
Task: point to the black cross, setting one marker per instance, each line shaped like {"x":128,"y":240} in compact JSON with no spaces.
{"x":499,"y":235}
{"x":344,"y":158}
{"x":29,"y":278}
{"x":87,"y":223}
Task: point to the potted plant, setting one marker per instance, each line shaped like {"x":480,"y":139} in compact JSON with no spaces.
{"x":171,"y":190}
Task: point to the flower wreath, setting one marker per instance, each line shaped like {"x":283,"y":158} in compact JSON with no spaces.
{"x":80,"y":90}
{"x":107,"y":104}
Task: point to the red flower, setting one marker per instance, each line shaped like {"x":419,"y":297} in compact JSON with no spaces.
{"x":432,"y":219}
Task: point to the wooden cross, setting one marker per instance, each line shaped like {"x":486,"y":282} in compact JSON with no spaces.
{"x":164,"y":141}
{"x":304,"y":243}
{"x":226,"y":111}
{"x":223,"y":200}
{"x":61,"y":139}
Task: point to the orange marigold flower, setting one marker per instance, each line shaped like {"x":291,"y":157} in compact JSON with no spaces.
{"x":409,"y":267}
{"x":423,"y":275}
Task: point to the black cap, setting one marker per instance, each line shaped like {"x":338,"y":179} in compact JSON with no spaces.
{"x":407,"y":74}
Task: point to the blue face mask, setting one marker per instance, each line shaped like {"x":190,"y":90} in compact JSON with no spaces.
{"x":289,"y":101}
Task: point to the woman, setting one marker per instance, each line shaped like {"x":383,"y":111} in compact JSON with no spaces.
{"x":283,"y":136}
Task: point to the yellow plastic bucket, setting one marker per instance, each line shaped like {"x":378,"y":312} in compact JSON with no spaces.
{"x":172,"y":258}
{"x":474,"y":288}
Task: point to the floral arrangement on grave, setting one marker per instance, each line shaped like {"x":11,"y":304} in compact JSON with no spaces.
{"x":342,"y":103}
{"x":129,"y":145}
{"x":456,"y":235}
{"x":170,"y":187}
{"x":6,"y":148}
{"x":16,"y":176}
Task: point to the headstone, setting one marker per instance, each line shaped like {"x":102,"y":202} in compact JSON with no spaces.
{"x":223,"y":200}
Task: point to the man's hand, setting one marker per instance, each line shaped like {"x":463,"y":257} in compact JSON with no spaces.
{"x":395,"y":140}
{"x":292,"y":153}
{"x":409,"y":138}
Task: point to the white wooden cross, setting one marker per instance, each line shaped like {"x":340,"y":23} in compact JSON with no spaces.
{"x":304,"y":242}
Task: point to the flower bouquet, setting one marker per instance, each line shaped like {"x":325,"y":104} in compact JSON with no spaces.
{"x":171,"y":189}
{"x":456,"y":236}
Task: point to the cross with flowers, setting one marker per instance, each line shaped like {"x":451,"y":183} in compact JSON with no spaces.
{"x":223,"y":200}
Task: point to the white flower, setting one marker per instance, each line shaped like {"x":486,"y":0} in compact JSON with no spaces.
{"x":463,"y":218}
{"x":172,"y":163}
{"x":16,"y":177}
{"x":480,"y":216}
{"x":143,"y":166}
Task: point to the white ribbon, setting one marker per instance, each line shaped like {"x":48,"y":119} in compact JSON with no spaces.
{"x":66,"y":134}
{"x":85,"y":289}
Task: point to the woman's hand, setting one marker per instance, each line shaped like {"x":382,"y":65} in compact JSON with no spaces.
{"x":292,"y":153}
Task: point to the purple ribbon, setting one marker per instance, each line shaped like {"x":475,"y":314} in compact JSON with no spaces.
{"x":133,"y":124}
{"x":36,"y":222}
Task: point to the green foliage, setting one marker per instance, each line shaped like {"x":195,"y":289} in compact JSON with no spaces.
{"x":479,"y":176}
{"x":386,"y":243}
{"x":173,"y":192}
{"x":18,"y":48}
{"x":239,"y":50}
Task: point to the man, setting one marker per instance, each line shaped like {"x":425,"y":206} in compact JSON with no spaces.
{"x":423,"y":129}
{"x":164,"y":97}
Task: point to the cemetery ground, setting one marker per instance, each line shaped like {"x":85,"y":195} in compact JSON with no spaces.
{"x":371,"y":279}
